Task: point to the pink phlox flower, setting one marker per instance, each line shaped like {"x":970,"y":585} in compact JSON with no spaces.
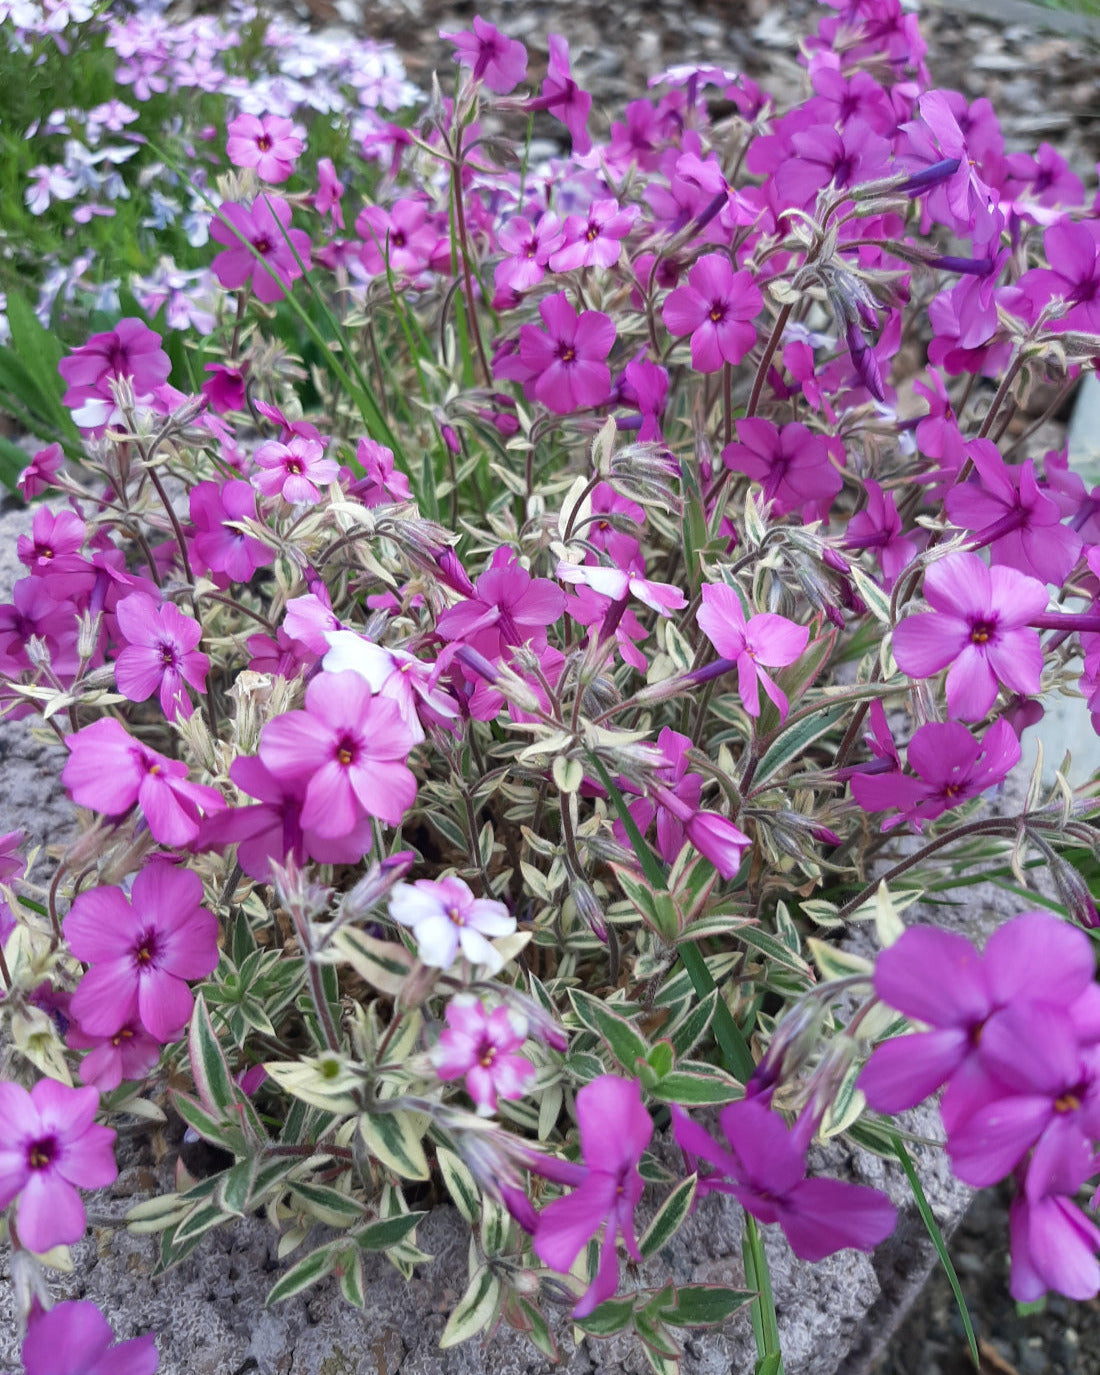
{"x":296,"y":471}
{"x":791,"y":464}
{"x":108,"y":771}
{"x":765,"y":639}
{"x":74,"y":1338}
{"x":404,"y":239}
{"x":128,"y":1053}
{"x":40,"y":473}
{"x":563,"y":97}
{"x":1020,"y":524}
{"x":1054,"y":1244}
{"x":272,"y":830}
{"x":160,"y":654}
{"x":270,"y":145}
{"x":826,"y":156}
{"x":130,"y":350}
{"x":348,"y":747}
{"x":635,"y":141}
{"x":303,"y":429}
{"x":878,"y":527}
{"x":966,"y":203}
{"x":764,"y":1168}
{"x":1043,"y":180}
{"x":615,"y":1131}
{"x":713,"y":835}
{"x":590,"y":608}
{"x":479,"y":1045}
{"x":975,"y":301}
{"x":142,"y":951}
{"x":939,"y":979}
{"x":217,"y":547}
{"x":34,"y":611}
{"x":49,"y":1148}
{"x":568,"y":359}
{"x":282,"y":657}
{"x":330,"y":190}
{"x":55,"y":542}
{"x":397,"y":674}
{"x":949,"y":349}
{"x":686,"y":787}
{"x":527,"y":248}
{"x":382,"y":482}
{"x":645,"y":385}
{"x":1073,"y":250}
{"x":840,"y":98}
{"x":716,"y":308}
{"x":618,"y":584}
{"x":264,"y":228}
{"x":447,"y":919}
{"x":595,"y":239}
{"x":226,"y":389}
{"x":979,"y":626}
{"x":951,"y":767}
{"x":310,"y":619}
{"x":611,"y":526}
{"x":493,"y":58}
{"x":508,"y":607}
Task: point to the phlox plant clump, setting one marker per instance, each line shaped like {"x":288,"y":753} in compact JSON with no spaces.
{"x":495,"y":659}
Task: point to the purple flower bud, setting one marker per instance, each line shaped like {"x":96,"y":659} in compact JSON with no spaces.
{"x":928,"y":177}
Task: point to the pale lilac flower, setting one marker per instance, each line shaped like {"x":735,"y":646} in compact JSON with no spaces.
{"x":479,"y":1045}
{"x":49,"y":1148}
{"x":979,"y":625}
{"x":74,"y":1338}
{"x":160,"y":654}
{"x":764,"y":639}
{"x":296,"y":471}
{"x":49,"y":184}
{"x":142,"y":950}
{"x":615,"y":1131}
{"x":446,"y":918}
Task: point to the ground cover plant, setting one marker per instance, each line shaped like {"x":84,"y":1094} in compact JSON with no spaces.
{"x":501,"y":648}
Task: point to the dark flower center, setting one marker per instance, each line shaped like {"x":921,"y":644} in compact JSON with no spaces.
{"x":981,"y":632}
{"x":593,"y":233}
{"x":168,"y":656}
{"x":347,"y":751}
{"x":263,"y":143}
{"x":124,"y":1035}
{"x":293,"y":466}
{"x":146,"y":950}
{"x":40,"y":1154}
{"x":487,"y":1056}
{"x":718,"y":312}
{"x":263,"y":244}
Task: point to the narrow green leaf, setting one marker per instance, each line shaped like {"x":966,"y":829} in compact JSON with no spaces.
{"x":209,"y":1067}
{"x":394,"y":1138}
{"x":308,"y":1271}
{"x":327,"y":1205}
{"x":626,"y":1043}
{"x":765,"y":1323}
{"x":933,"y":1229}
{"x":389,"y":1231}
{"x":460,"y":1184}
{"x":235,"y":1188}
{"x":670,"y":1217}
{"x":352,"y":1283}
{"x":610,"y":1317}
{"x":697,"y":1090}
{"x":475,"y":1308}
{"x":705,"y":1305}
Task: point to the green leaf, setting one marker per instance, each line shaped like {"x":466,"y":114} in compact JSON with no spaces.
{"x":12,"y":462}
{"x":198,"y":1222}
{"x":235,"y":1187}
{"x":686,"y":1034}
{"x":385,"y":965}
{"x":656,"y":1336}
{"x":775,"y":949}
{"x":933,"y":1229}
{"x":670,"y":1217}
{"x":765,"y":1322}
{"x":209,"y":1067}
{"x":610,"y":1317}
{"x":327,"y":1205}
{"x":460,"y":1184}
{"x":475,"y":1308}
{"x":352,"y":1284}
{"x":308,"y":1271}
{"x":387,"y":1232}
{"x":661,"y":1059}
{"x":394,"y":1138}
{"x":697,"y":1089}
{"x":626,"y":1043}
{"x":705,"y":1305}
{"x":218,"y":1133}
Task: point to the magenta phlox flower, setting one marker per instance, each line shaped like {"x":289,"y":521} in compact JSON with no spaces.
{"x":272,"y":830}
{"x":74,"y":1338}
{"x":447,"y":919}
{"x":948,"y":348}
{"x":41,"y":472}
{"x":310,"y":618}
{"x":49,"y":1148}
{"x":716,"y":308}
{"x":508,"y":607}
{"x":839,"y":99}
{"x":282,"y":657}
{"x":686,"y":787}
{"x":527,"y":248}
{"x":349,"y":748}
{"x":615,"y":1131}
{"x":493,"y":58}
{"x":951,"y":767}
{"x":128,"y":1053}
{"x":405,"y":239}
{"x":228,"y":553}
{"x":141,"y":951}
{"x":878,"y":527}
{"x":965,"y":202}
{"x":1041,"y":1090}
{"x":766,"y":639}
{"x":714,"y":836}
{"x":264,"y":229}
{"x":645,"y":385}
{"x":54,"y":544}
{"x":568,"y":359}
{"x":382,"y":482}
{"x":614,"y":521}
{"x":397,"y":674}
{"x":329,"y":192}
{"x":108,"y":771}
{"x":130,"y":350}
{"x":826,"y":156}
{"x":1073,"y":251}
{"x":270,"y":145}
{"x":591,"y":609}
{"x":791,"y":464}
{"x":563,"y":97}
{"x":296,"y":471}
{"x":159,"y":654}
{"x":1021,"y":524}
{"x":979,"y":626}
{"x":764,"y":1168}
{"x":34,"y":611}
{"x":939,"y":979}
{"x":594,"y":239}
{"x":618,"y":584}
{"x":226,"y":389}
{"x":1044,"y":179}
{"x":479,"y":1045}
{"x":1054,"y":1245}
